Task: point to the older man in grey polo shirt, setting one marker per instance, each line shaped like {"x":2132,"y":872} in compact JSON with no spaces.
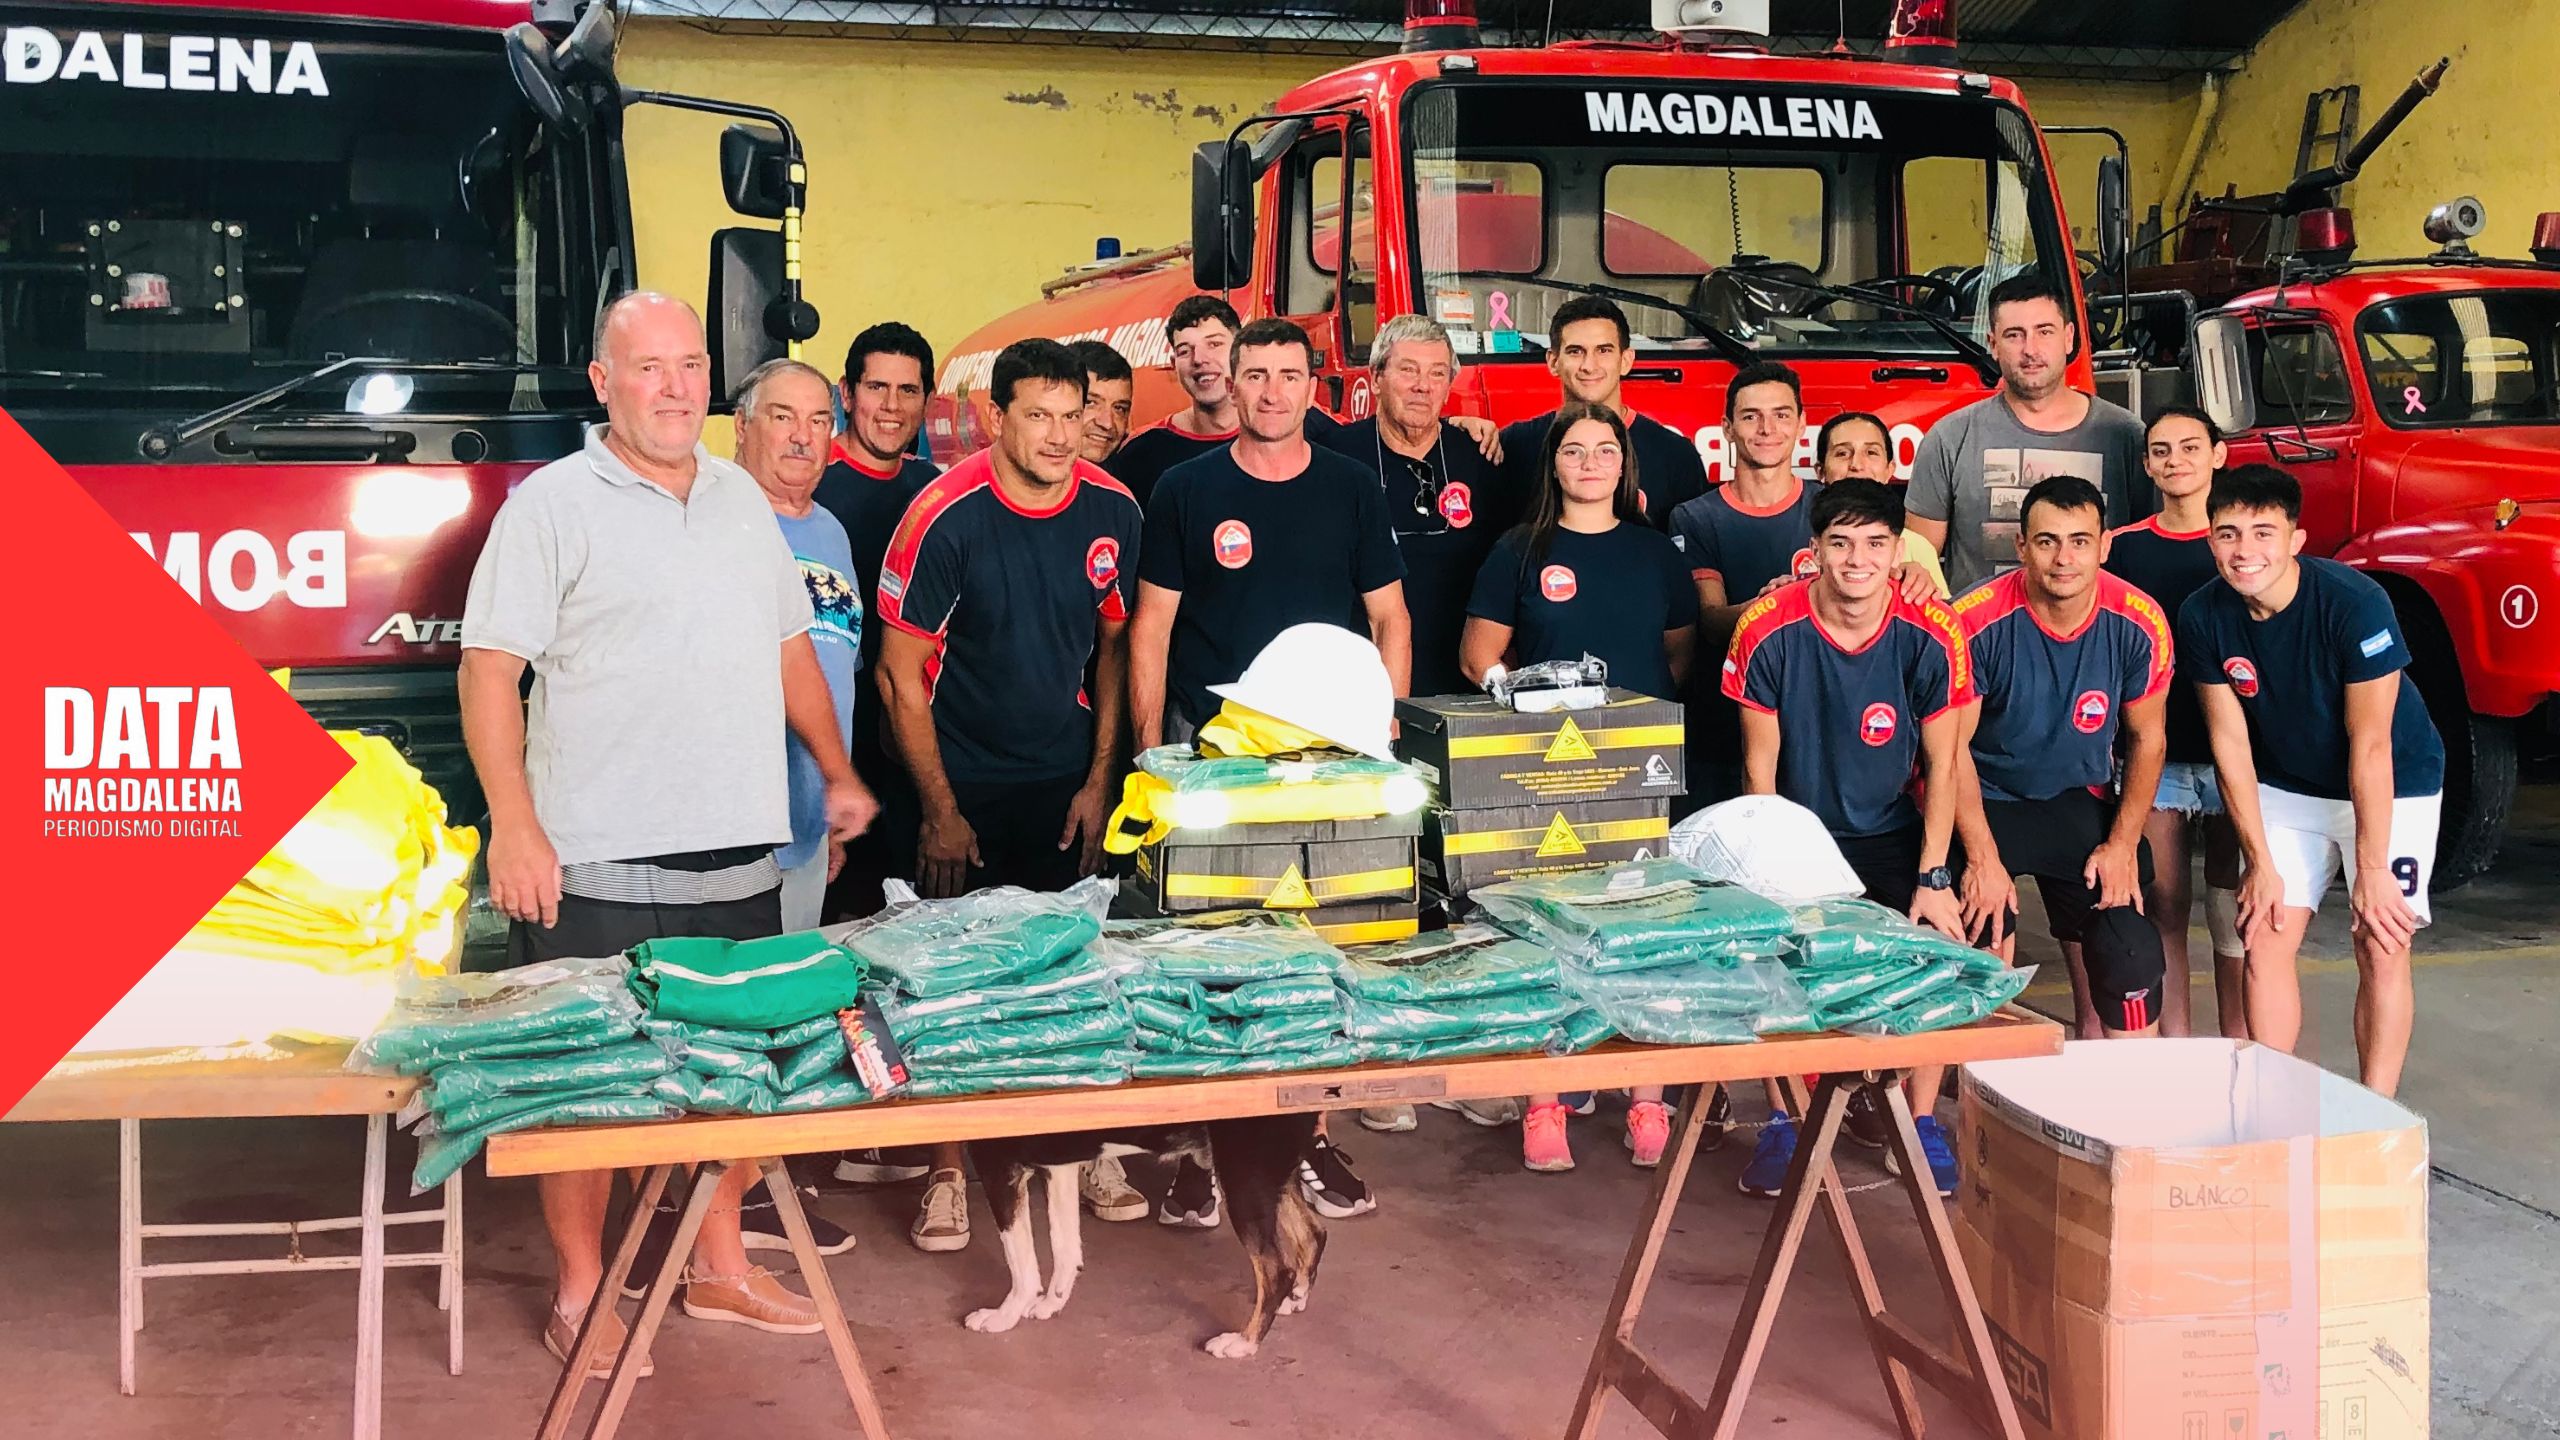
{"x":642,"y":794}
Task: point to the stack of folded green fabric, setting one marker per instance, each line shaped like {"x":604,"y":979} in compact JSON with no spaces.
{"x":1661,"y":953}
{"x":1869,"y":970}
{"x":752,"y":1023}
{"x":548,"y":1044}
{"x":1468,"y":990}
{"x":997,"y":990}
{"x":1236,"y":993}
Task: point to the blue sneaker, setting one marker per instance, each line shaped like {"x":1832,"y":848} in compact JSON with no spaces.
{"x":1935,"y":1145}
{"x":1766,"y":1175}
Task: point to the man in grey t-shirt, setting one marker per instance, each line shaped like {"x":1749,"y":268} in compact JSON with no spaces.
{"x":1975,"y":466}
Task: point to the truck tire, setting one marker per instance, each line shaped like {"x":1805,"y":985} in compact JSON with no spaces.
{"x":2479,"y":752}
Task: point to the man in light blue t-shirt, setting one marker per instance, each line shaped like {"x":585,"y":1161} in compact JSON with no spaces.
{"x":785,"y":417}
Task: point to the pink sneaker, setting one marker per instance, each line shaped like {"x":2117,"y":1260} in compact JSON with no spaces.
{"x":1648,"y":1130}
{"x":1542,"y":1146}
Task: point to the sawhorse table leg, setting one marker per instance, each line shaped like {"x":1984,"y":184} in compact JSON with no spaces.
{"x":1617,"y":1364}
{"x":804,"y":1249}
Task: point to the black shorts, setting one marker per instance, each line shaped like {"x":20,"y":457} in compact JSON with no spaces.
{"x":1017,"y":826}
{"x":1888,"y":865}
{"x":2051,"y":839}
{"x":588,"y":928}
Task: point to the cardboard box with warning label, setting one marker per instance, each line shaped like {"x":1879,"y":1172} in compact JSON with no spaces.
{"x":1463,"y":849}
{"x":1480,"y":754}
{"x":1361,"y":922}
{"x":1299,"y":866}
{"x":2199,"y":1238}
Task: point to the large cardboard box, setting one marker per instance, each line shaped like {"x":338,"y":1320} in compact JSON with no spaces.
{"x":2197,"y":1240}
{"x":1295,"y":866}
{"x":1462,"y":849}
{"x":1480,"y":753}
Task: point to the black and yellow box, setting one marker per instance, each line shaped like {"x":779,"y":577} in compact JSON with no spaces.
{"x":1357,"y":922}
{"x":1463,"y":849}
{"x":1479,"y":753}
{"x":1298,"y":866}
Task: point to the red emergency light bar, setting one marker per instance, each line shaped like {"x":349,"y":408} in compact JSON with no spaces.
{"x":1439,"y":25}
{"x":1922,"y":32}
{"x":2546,"y":237}
{"x":2326,"y":236}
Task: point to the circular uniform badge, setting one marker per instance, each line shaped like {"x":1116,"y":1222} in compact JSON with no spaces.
{"x":1232,"y":543}
{"x":1876,"y":727}
{"x":1556,"y":582}
{"x":2089,"y":712}
{"x":1457,"y":505}
{"x":1102,"y":562}
{"x":2244,"y":676}
{"x":1802,"y":567}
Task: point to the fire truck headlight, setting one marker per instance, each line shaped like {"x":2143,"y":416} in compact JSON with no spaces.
{"x":380,"y":394}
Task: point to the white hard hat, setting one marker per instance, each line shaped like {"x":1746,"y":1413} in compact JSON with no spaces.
{"x":1325,"y":680}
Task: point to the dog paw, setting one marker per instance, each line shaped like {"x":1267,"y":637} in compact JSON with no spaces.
{"x":1231,"y":1346}
{"x":1292,"y":1304}
{"x":993,"y":1322}
{"x":1047,"y":1305}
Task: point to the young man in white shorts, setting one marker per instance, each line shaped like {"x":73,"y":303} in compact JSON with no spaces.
{"x":2327,"y":760}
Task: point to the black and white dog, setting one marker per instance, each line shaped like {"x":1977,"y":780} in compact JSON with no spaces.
{"x":1256,"y":1164}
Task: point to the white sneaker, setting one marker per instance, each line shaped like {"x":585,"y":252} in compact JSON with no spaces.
{"x":1107,"y":1193}
{"x":1390,"y":1119}
{"x":1488,"y":1113}
{"x":942,"y":1221}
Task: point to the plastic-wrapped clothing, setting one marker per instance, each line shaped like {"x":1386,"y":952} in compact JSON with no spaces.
{"x":1365,"y":1019}
{"x":719,"y":1061}
{"x":833,"y":1093}
{"x":959,"y":1044}
{"x":471,"y":1114}
{"x":1960,"y":1002}
{"x":1074,"y":1057}
{"x":1221,"y":950}
{"x":679,"y":1087}
{"x":1768,"y":845}
{"x":1519,"y":1040}
{"x":1895,"y":993}
{"x":1239,"y":729}
{"x":1581,"y":1030}
{"x":1834,"y":986}
{"x":533,"y":1009}
{"x":439,"y":1156}
{"x":1171,"y":788}
{"x":1270,"y":997}
{"x":1188,"y":1064}
{"x":989,"y":937}
{"x":736,"y":1095}
{"x":745,"y":984}
{"x":633,"y":1064}
{"x":677,"y":1034}
{"x":1164,"y":1027}
{"x":1459,"y":963}
{"x":939,"y":1084}
{"x":1080,"y":981}
{"x":811,"y":1062}
{"x":1844,"y":932}
{"x":1730,"y":981}
{"x":1712,"y":1003}
{"x":1638,"y":908}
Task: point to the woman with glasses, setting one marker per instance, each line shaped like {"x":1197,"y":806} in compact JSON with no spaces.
{"x":1586,"y":575}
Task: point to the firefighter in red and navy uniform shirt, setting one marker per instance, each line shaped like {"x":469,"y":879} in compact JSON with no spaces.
{"x":1847,"y":689}
{"x":2065,"y":657}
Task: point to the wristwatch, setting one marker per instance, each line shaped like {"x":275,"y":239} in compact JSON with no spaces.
{"x":1937,"y":878}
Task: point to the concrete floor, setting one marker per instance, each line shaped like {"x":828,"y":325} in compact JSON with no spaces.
{"x":1465,"y":1307}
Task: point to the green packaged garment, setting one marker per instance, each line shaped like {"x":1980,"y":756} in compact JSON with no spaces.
{"x":1076,"y":1057}
{"x":439,"y":1156}
{"x":833,"y":1093}
{"x":1460,"y":963}
{"x":1895,"y":993}
{"x":1228,"y":949}
{"x":1184,"y":1064}
{"x":813,"y":1061}
{"x":1835,"y":985}
{"x":1365,"y":1019}
{"x":679,"y":1087}
{"x":735,"y":1095}
{"x":745,"y":984}
{"x":632,"y":1064}
{"x":792,"y":1037}
{"x":1636,"y":908}
{"x":1162,"y":1028}
{"x":959,"y":1044}
{"x":1714,"y":1003}
{"x":1519,"y":1040}
{"x":990,"y":937}
{"x":1834,"y":933}
{"x":678,"y":1034}
{"x":963,"y":1082}
{"x":720,"y":1062}
{"x":1270,"y":997}
{"x":1960,"y":1002}
{"x":1582,"y":1030}
{"x":1732,"y":982}
{"x":471,"y":1114}
{"x":1081,"y":981}
{"x":530,"y":1010}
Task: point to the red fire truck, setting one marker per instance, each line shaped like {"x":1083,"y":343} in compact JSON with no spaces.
{"x":298,"y":288}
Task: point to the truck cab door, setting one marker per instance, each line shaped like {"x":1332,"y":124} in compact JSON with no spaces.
{"x":2308,"y":421}
{"x":1324,"y":256}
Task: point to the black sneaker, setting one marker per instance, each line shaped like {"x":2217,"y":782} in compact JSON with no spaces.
{"x":878,"y":1167}
{"x":1193,"y":1200}
{"x":653,"y":1251}
{"x":1326,"y":1176}
{"x":1717,"y":1125}
{"x":1869,"y":1124}
{"x":760,"y":1226}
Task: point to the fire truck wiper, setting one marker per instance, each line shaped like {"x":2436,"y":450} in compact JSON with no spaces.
{"x":1965,"y":345}
{"x":1727,"y":344}
{"x":163,"y":440}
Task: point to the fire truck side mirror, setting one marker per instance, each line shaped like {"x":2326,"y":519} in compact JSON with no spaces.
{"x":2115,"y":212}
{"x":1221,"y":215}
{"x":746,"y":280}
{"x":2226,"y":389}
{"x":755,"y":171}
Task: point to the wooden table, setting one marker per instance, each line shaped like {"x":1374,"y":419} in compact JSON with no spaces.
{"x":306,"y":1082}
{"x":1848,"y":1063}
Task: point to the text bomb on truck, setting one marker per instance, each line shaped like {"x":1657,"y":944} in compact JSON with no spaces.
{"x":298,"y":289}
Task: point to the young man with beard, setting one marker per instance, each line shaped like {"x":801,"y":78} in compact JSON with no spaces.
{"x":1109,"y":388}
{"x":1590,"y":349}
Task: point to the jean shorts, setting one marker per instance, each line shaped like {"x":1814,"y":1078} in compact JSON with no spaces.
{"x":2189,"y":788}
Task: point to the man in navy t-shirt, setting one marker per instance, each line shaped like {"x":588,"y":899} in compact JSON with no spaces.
{"x":1847,"y":690}
{"x":1590,"y":348}
{"x":2066,"y":656}
{"x":1201,"y":332}
{"x":1250,"y":539}
{"x":2327,"y":760}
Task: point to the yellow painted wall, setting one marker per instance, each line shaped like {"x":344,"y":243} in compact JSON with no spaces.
{"x":949,"y":180}
{"x":2492,"y":131}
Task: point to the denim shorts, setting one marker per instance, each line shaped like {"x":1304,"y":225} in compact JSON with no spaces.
{"x":2189,"y":788}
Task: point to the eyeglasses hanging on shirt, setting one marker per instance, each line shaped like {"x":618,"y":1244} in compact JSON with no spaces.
{"x":1427,"y":481}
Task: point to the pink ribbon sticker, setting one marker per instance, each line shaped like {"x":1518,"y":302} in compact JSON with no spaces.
{"x":1497,"y":312}
{"x":2409,"y":397}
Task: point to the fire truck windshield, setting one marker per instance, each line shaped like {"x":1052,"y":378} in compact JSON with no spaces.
{"x":2491,"y":358}
{"x":186,"y":219}
{"x":1753,"y":209}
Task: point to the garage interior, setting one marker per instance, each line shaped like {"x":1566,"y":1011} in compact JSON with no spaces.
{"x":960,"y":155}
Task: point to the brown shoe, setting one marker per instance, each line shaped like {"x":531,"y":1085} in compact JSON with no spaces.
{"x":561,"y":1336}
{"x":755,"y":1298}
